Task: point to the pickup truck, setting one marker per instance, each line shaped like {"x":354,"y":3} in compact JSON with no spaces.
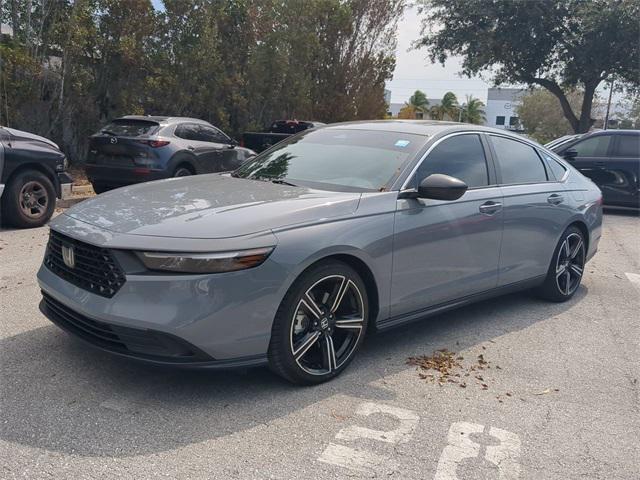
{"x":279,"y":130}
{"x":32,"y":175}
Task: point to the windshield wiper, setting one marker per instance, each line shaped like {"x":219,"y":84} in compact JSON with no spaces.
{"x":283,"y":182}
{"x":109,"y":132}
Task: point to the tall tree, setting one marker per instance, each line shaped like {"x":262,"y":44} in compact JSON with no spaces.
{"x":418,"y":102}
{"x":472,"y":111}
{"x":448,"y":108}
{"x":559,"y":46}
{"x":542,"y":117}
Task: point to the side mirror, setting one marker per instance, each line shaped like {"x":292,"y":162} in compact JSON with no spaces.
{"x":438,"y":187}
{"x":570,"y":154}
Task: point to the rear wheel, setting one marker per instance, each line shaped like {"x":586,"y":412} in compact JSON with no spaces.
{"x":29,"y":200}
{"x":99,"y":188}
{"x":182,"y":171}
{"x":320,"y":324}
{"x":566,"y":269}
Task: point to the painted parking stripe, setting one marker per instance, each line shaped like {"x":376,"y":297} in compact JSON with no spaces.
{"x":504,"y":456}
{"x":634,"y":278}
{"x":407,"y":419}
{"x":352,"y":459}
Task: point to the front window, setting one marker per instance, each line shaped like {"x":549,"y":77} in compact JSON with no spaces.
{"x":336,"y":159}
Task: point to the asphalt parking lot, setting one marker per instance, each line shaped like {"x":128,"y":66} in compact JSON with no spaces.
{"x":557,"y":399}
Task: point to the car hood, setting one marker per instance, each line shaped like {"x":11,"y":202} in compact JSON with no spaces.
{"x":210,"y":206}
{"x":31,"y":136}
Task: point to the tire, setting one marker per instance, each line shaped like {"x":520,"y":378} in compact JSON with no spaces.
{"x":29,"y":200}
{"x":338,"y":330}
{"x":182,"y":171}
{"x":99,"y":188}
{"x":567,"y":267}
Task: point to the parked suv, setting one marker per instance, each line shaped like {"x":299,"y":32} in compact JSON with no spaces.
{"x":136,"y":149}
{"x":611,"y":158}
{"x":32,"y":175}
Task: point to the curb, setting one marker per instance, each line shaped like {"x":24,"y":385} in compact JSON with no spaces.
{"x":68,"y":202}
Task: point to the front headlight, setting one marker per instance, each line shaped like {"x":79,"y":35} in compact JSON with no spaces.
{"x":205,"y":262}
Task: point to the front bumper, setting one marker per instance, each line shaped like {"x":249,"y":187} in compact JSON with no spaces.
{"x":214,"y":321}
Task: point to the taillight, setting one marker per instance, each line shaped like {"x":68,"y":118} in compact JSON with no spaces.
{"x":155,"y":143}
{"x":242,"y":142}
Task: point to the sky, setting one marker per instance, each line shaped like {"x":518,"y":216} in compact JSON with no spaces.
{"x":414,"y":71}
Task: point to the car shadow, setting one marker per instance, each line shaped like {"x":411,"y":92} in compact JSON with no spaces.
{"x":60,"y":395}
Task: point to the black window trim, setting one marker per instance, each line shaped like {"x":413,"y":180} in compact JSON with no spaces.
{"x":488,"y":155}
{"x":535,"y":149}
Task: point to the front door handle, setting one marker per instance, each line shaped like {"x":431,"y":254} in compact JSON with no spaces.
{"x":490,"y":207}
{"x":555,"y":199}
{"x":191,"y":147}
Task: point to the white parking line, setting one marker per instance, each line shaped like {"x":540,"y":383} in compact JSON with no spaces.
{"x":402,"y":434}
{"x":352,"y":459}
{"x":634,"y":278}
{"x":504,"y":456}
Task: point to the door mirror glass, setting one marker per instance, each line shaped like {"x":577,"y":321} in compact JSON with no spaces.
{"x":570,"y":154}
{"x":441,"y":187}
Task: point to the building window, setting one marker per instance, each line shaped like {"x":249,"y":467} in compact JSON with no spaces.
{"x":500,"y":120}
{"x":419,"y":115}
{"x":513,"y":121}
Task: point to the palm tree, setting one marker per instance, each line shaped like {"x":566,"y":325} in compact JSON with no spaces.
{"x":418,"y":102}
{"x":472,"y":111}
{"x":448,"y":107}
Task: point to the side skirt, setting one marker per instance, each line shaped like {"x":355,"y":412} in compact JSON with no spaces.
{"x":398,"y":320}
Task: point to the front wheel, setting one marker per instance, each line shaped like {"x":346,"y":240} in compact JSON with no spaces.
{"x":29,"y":200}
{"x":320,"y":324}
{"x":566,"y":269}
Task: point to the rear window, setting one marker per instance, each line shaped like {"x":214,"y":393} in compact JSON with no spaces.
{"x":130,"y":128}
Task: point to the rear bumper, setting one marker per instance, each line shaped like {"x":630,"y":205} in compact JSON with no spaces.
{"x":121,"y":176}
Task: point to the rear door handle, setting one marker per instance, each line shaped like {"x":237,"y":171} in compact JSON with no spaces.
{"x":191,"y":147}
{"x":490,"y":207}
{"x":555,"y":199}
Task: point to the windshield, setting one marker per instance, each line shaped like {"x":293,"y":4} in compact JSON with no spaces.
{"x":336,"y":159}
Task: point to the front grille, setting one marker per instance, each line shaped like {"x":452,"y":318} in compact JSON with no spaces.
{"x":146,"y":344}
{"x":95,"y":269}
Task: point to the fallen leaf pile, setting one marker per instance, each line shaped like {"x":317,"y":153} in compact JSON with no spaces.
{"x":447,"y":367}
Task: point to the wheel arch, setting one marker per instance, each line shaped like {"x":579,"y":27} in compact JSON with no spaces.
{"x":182,"y":158}
{"x":582,"y":226}
{"x":365,"y":272}
{"x":39,"y":168}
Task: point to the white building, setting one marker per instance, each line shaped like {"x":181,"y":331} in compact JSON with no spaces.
{"x":502,"y":104}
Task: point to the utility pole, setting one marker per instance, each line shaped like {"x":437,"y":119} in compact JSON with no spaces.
{"x":606,"y":117}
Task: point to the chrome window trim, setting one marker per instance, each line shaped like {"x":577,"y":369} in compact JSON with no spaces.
{"x":1,"y":188}
{"x":434,"y":145}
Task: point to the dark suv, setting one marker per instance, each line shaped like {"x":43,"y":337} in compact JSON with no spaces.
{"x":32,"y":175}
{"x":135,"y":149}
{"x":611,"y":158}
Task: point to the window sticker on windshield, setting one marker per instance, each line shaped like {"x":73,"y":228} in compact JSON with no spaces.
{"x":402,"y":143}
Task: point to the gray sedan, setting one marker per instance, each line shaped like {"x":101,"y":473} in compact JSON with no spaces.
{"x":289,"y":260}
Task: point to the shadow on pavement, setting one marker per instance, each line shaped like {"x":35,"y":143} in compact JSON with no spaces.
{"x":60,"y":395}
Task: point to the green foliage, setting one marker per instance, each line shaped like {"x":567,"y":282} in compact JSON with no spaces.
{"x":472,"y":111}
{"x":448,"y":108}
{"x":559,"y":46}
{"x":74,"y":64}
{"x":418,"y":101}
{"x":542,"y":117}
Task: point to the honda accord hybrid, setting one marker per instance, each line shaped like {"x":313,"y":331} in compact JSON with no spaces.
{"x":336,"y":231}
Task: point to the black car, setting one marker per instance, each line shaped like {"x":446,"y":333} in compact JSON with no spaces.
{"x":136,"y":149}
{"x":278,"y":131}
{"x":611,"y":158}
{"x":32,"y":176}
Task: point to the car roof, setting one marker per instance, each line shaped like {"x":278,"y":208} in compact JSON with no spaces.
{"x":162,"y":119}
{"x":427,"y":128}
